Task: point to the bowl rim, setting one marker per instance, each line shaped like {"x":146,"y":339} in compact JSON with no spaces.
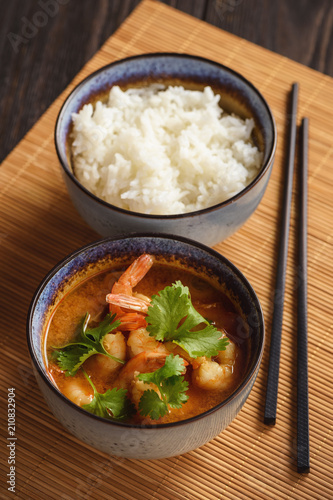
{"x":65,"y":165}
{"x":41,"y":370}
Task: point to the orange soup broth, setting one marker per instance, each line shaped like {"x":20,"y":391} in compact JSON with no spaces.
{"x":89,"y":296}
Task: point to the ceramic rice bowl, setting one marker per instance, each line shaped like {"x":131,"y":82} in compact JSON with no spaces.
{"x":209,"y":225}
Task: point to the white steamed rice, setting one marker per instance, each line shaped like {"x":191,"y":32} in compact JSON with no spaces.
{"x":159,"y":150}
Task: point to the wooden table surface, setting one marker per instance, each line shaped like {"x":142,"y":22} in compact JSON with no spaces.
{"x":44,"y":44}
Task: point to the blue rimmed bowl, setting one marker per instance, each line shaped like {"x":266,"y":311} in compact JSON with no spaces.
{"x":210,"y":225}
{"x":149,"y":441}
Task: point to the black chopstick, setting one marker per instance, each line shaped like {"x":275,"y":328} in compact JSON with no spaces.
{"x":303,"y":445}
{"x":275,"y":347}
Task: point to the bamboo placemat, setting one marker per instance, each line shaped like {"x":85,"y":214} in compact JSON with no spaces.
{"x":39,"y":226}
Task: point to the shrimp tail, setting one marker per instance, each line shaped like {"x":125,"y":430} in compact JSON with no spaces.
{"x":129,"y":279}
{"x":131,"y":321}
{"x":128,"y":302}
{"x":133,"y":274}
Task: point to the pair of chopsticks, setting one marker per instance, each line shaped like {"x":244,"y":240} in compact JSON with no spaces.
{"x":303,"y":452}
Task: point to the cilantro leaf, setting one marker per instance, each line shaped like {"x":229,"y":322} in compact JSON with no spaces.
{"x":151,"y":404}
{"x":71,"y":357}
{"x":87,"y":343}
{"x":166,"y":310}
{"x":174,"y":365}
{"x":112,"y":404}
{"x":172,"y":317}
{"x":205,"y":342}
{"x":95,"y":334}
{"x":171,"y":386}
{"x":174,"y":389}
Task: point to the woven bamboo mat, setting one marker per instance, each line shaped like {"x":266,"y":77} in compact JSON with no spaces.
{"x":39,"y":226}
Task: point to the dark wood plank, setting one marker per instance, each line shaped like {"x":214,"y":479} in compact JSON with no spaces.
{"x":300,"y":30}
{"x":45,"y":43}
{"x":39,"y":62}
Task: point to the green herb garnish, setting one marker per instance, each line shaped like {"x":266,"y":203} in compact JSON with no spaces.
{"x":171,"y":386}
{"x":88,"y":342}
{"x":165,"y":315}
{"x":111,"y":404}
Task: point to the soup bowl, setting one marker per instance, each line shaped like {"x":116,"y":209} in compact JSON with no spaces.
{"x":237,"y":95}
{"x":148,"y":441}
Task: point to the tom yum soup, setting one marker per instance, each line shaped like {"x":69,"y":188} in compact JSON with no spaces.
{"x":151,"y":343}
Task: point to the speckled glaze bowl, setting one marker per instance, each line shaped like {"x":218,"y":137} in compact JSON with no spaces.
{"x":150,"y":441}
{"x":210,"y":225}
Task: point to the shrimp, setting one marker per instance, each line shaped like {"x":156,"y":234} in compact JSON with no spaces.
{"x":210,"y":375}
{"x":79,"y":391}
{"x":144,"y":362}
{"x":129,"y":302}
{"x":138,"y":387}
{"x":216,"y":374}
{"x":115,"y":344}
{"x":122,"y":293}
{"x":131,"y":321}
{"x":228,"y":356}
{"x":139,"y":341}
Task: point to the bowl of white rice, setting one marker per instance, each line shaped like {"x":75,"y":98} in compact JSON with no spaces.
{"x":165,"y":142}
